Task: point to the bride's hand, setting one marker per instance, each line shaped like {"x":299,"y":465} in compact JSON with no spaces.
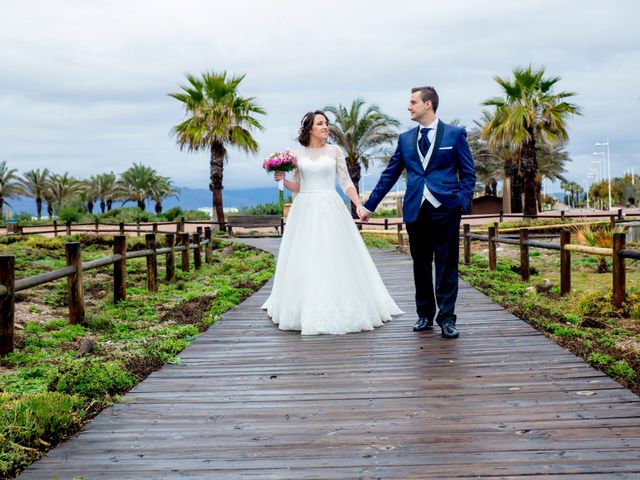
{"x":279,"y":176}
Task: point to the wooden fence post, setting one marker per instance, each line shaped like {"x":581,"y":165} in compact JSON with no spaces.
{"x":97,"y":226}
{"x":7,"y":303}
{"x":184,"y":237}
{"x":121,"y":226}
{"x":386,"y":223}
{"x":493,"y":262}
{"x":208,"y":248}
{"x":138,"y":227}
{"x":400,"y":237}
{"x":565,"y":263}
{"x":612,"y":219}
{"x":154,"y":227}
{"x":619,"y":214}
{"x":562,"y":215}
{"x":152,"y":262}
{"x":524,"y":255}
{"x":466,"y":242}
{"x":120,"y":268}
{"x":619,"y":274}
{"x":282,"y":222}
{"x":181,"y":224}
{"x":170,"y":258}
{"x":197,"y":258}
{"x":75,"y":290}
{"x":68,"y":226}
{"x":55,"y":228}
{"x":501,"y":216}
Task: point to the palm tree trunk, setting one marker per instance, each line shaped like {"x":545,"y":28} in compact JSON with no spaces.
{"x":109,"y":205}
{"x":529,"y":171}
{"x":90,"y":206}
{"x":158,"y":207}
{"x":506,"y":194}
{"x":216,"y":165}
{"x":103,"y":205}
{"x":39,"y":207}
{"x":141,"y":205}
{"x":539,"y":194}
{"x":1,"y":206}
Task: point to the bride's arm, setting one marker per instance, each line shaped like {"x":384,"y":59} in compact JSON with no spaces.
{"x":344,"y":179}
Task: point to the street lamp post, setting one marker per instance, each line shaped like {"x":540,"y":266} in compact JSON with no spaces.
{"x":606,"y":144}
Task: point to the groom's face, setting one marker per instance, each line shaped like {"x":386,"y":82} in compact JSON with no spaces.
{"x":418,"y":108}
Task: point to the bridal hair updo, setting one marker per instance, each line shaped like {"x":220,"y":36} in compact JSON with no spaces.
{"x":306,"y":124}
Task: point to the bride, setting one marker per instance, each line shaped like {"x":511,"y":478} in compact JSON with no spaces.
{"x":325,"y":280}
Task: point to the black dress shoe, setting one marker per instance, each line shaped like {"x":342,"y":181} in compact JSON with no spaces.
{"x":449,"y":330}
{"x":423,"y":323}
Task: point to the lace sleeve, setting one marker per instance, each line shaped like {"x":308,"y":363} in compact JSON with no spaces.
{"x":344,"y":179}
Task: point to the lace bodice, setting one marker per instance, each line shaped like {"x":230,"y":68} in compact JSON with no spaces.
{"x":318,"y":169}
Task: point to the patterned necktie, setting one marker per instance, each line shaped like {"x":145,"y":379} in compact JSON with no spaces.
{"x":424,"y":143}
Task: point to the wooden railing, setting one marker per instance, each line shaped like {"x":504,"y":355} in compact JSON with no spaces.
{"x":618,"y":252}
{"x":121,"y":228}
{"x":182,"y":242}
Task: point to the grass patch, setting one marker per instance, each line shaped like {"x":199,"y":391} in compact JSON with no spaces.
{"x":585,"y":321}
{"x":46,"y":393}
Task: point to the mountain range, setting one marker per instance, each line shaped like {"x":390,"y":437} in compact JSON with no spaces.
{"x":190,"y":199}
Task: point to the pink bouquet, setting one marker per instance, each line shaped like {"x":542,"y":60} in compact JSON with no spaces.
{"x":280,"y":162}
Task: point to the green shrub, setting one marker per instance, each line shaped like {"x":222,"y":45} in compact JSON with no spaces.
{"x":622,"y":369}
{"x":600,"y":359}
{"x":90,"y":378}
{"x":25,"y":218}
{"x":69,"y":214}
{"x":173,"y":213}
{"x":31,"y":422}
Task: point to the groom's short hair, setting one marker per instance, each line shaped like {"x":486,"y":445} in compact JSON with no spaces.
{"x":428,"y":93}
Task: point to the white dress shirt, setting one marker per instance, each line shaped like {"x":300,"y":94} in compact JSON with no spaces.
{"x":427,"y":195}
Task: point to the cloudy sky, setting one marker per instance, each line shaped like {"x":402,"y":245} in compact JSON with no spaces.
{"x":84,"y":83}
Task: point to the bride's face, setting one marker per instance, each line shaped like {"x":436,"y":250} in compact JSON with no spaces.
{"x":320,"y":128}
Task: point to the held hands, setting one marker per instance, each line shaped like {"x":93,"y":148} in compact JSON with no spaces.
{"x":363,"y":214}
{"x":277,"y":176}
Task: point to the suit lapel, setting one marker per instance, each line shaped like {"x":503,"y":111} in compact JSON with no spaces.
{"x":414,"y":145}
{"x":436,"y":143}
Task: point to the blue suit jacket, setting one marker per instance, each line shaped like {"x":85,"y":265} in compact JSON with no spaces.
{"x":450,"y":175}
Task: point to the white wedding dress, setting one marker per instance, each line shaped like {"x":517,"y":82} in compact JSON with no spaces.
{"x":325,"y":280}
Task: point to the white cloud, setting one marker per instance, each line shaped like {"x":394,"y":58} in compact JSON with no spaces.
{"x":84,"y":84}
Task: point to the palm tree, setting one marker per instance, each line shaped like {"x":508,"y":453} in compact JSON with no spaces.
{"x":529,"y":111}
{"x":9,"y":184}
{"x":136,"y":182}
{"x":217,"y":118}
{"x":364,"y":133}
{"x":160,"y":190}
{"x":34,"y":185}
{"x":551,"y":161}
{"x":489,"y":162}
{"x":62,"y":189}
{"x":91,"y":191}
{"x":109,"y":189}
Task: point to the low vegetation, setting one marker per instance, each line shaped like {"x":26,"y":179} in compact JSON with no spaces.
{"x":585,"y":321}
{"x":47,"y":390}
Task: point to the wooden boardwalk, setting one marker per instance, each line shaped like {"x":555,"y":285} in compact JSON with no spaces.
{"x":250,"y":401}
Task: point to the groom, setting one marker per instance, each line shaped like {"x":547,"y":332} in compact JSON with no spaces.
{"x":440,"y":182}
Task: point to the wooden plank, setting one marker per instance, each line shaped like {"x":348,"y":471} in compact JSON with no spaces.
{"x":251,"y":401}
